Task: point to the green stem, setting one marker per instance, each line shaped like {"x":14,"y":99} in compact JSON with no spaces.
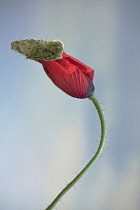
{"x":99,"y":150}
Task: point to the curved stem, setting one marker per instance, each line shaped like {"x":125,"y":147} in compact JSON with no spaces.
{"x":99,"y":150}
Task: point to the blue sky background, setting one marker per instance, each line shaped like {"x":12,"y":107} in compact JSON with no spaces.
{"x":46,"y":136}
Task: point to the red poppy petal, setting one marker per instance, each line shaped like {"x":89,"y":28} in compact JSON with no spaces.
{"x":70,"y":75}
{"x":85,"y":69}
{"x":74,"y":84}
{"x":52,"y":66}
{"x":68,"y":65}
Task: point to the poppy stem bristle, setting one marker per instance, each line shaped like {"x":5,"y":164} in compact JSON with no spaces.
{"x":99,"y":150}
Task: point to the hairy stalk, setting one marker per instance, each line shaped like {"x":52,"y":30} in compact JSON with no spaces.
{"x":99,"y":150}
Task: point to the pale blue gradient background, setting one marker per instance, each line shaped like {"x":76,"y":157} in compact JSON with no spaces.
{"x":46,"y":136}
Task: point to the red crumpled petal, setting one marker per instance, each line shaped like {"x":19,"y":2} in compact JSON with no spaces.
{"x":85,"y":69}
{"x":74,"y":84}
{"x":70,"y":75}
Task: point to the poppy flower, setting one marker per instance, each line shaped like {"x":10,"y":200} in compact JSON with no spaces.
{"x":70,"y":75}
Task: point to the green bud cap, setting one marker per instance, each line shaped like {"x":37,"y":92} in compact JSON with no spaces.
{"x":39,"y":49}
